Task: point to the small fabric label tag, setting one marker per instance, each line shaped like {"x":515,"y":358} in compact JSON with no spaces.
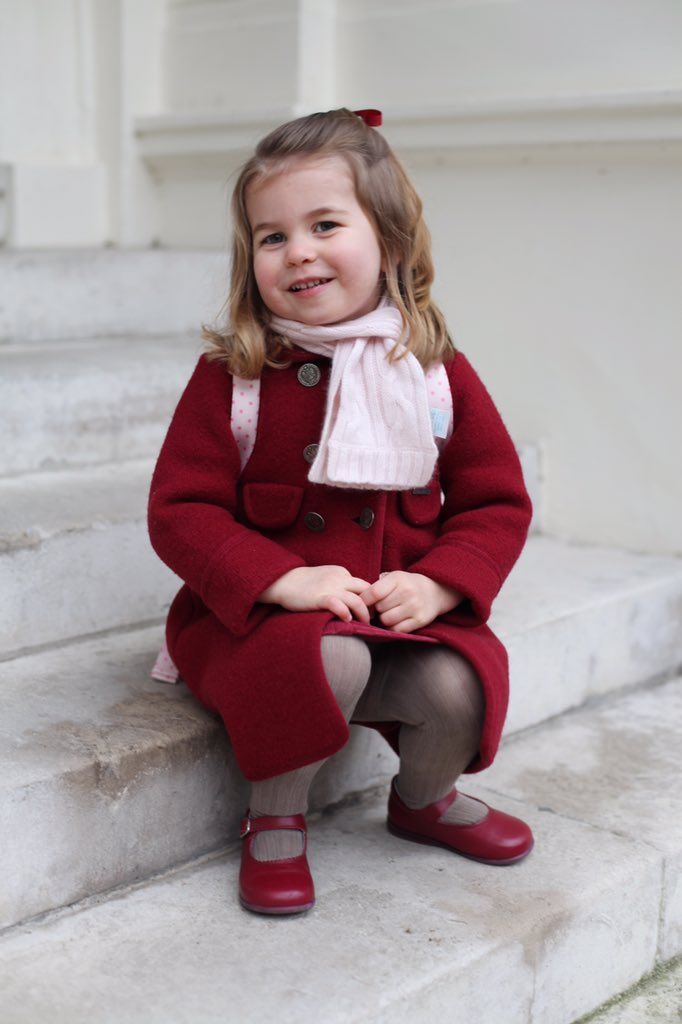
{"x":439,"y":422}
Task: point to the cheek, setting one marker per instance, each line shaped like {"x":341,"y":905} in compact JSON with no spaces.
{"x":262,"y":272}
{"x":364,"y":261}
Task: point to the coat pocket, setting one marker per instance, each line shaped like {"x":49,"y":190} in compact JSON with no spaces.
{"x":272,"y":506}
{"x":421,"y":505}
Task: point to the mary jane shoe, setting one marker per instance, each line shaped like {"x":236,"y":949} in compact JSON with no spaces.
{"x":274,"y":886}
{"x":498,"y":838}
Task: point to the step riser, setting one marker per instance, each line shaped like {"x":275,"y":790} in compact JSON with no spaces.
{"x":111,"y":822}
{"x":81,"y":583}
{"x":99,"y":405}
{"x":118,"y":821}
{"x":45,"y":296}
{"x":563,"y":663}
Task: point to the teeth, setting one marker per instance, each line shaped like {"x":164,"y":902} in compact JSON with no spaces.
{"x":310,"y":284}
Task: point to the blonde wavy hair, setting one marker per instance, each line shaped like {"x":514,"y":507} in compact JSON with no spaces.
{"x":391,"y":203}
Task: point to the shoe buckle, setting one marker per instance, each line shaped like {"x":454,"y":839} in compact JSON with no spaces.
{"x":245,"y":830}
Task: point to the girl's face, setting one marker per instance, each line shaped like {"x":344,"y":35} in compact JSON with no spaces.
{"x":308,"y":226}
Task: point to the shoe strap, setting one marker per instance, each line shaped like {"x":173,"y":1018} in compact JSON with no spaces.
{"x":266,"y":822}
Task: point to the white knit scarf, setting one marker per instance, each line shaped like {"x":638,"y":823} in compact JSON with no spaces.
{"x":377,"y":427}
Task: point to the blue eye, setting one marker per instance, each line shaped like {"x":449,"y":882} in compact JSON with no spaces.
{"x":278,"y":235}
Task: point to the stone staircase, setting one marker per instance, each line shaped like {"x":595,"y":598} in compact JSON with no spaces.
{"x":120,"y":797}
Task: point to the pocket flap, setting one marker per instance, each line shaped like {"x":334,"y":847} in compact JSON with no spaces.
{"x":421,"y":505}
{"x":272,"y":506}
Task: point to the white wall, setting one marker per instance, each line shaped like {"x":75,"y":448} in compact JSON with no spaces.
{"x":483,"y":50}
{"x":73,"y":75}
{"x":53,"y":187}
{"x":560,"y":277}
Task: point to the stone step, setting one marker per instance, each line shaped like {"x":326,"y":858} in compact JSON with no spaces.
{"x":73,"y":532}
{"x":656,"y":999}
{"x":400,"y":931}
{"x":108,"y":776}
{"x":76,"y":403}
{"x":75,"y":556}
{"x":81,"y":293}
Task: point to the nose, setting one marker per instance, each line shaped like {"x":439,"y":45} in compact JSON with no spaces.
{"x":300,"y":249}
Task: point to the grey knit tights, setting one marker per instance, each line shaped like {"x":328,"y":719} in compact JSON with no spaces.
{"x":433,"y":691}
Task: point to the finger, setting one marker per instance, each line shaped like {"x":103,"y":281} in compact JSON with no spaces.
{"x":394,"y":600}
{"x":395,"y":615}
{"x":356,"y":584}
{"x":337,"y":606}
{"x":357,"y":606}
{"x":407,"y":626}
{"x":379,"y":590}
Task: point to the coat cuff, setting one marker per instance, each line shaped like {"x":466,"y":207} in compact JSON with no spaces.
{"x":464,"y":569}
{"x":240,"y":571}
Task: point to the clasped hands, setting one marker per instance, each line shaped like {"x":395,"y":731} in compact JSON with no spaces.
{"x":404,"y":601}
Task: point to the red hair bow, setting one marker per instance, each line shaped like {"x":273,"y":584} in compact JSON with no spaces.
{"x":370,"y":117}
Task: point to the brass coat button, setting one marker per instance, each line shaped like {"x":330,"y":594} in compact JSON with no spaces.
{"x":314,"y":521}
{"x":309,"y":375}
{"x":310,"y":452}
{"x":366,"y":518}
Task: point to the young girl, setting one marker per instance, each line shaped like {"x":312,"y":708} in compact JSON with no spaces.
{"x":343,"y":502}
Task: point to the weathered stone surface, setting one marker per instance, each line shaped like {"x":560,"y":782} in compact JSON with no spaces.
{"x":81,"y":293}
{"x":107,"y":776}
{"x":77,"y":403}
{"x":100,"y":689}
{"x":581,"y":621}
{"x":657,"y":1000}
{"x":75,"y":557}
{"x":400,"y":932}
{"x":617,"y":767}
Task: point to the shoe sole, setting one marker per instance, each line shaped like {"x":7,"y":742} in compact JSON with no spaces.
{"x":297,"y":909}
{"x":414,"y":837}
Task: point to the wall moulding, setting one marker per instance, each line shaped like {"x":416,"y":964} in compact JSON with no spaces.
{"x":640,"y":119}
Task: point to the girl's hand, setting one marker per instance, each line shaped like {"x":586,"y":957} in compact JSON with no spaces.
{"x":311,"y":588}
{"x":407,"y":600}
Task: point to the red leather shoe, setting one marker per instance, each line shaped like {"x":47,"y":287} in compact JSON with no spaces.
{"x":498,"y":838}
{"x":274,"y":886}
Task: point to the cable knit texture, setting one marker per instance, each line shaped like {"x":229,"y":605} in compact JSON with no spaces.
{"x":377,"y":426}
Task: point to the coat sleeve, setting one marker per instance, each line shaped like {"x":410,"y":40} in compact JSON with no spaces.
{"x":192,"y":503}
{"x":487,"y":511}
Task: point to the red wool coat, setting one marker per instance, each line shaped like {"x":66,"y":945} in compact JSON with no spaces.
{"x":230,"y":535}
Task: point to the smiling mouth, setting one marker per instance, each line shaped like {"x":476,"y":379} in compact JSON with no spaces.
{"x":310,"y":284}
